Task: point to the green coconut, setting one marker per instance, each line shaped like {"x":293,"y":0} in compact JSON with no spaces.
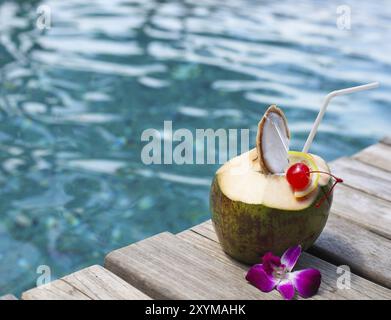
{"x":254,"y":211}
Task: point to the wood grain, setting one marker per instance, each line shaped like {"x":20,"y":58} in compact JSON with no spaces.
{"x":386,"y":140}
{"x":93,"y":283}
{"x":378,"y":155}
{"x":360,"y":288}
{"x":362,"y":208}
{"x":363,"y":177}
{"x":343,"y":243}
{"x":166,"y":267}
{"x":56,"y":290}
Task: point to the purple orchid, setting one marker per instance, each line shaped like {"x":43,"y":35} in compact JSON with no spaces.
{"x":275,"y":272}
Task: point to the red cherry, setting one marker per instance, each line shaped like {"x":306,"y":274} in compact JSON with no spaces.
{"x":298,"y":176}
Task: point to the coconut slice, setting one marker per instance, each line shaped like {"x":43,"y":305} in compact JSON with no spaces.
{"x":273,"y":141}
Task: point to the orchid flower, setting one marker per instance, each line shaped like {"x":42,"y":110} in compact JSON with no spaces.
{"x":276,"y":272}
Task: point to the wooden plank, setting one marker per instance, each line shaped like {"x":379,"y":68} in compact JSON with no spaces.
{"x":366,"y":253}
{"x":8,"y":297}
{"x":100,"y":284}
{"x":386,"y":140}
{"x":211,"y":247}
{"x":56,"y":290}
{"x":166,"y":267}
{"x":93,"y":283}
{"x":360,"y":288}
{"x":344,"y":243}
{"x":370,"y":212}
{"x":378,"y":155}
{"x":363,"y":177}
{"x":365,"y":169}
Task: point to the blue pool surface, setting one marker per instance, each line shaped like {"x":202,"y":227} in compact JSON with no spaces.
{"x":74,"y":100}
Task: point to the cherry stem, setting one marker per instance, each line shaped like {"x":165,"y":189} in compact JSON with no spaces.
{"x":337,"y":180}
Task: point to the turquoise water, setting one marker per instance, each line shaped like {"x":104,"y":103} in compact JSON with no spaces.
{"x":75,"y":99}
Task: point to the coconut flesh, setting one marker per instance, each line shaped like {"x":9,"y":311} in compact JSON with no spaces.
{"x":252,"y":186}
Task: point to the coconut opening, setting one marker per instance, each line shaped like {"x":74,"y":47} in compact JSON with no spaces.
{"x":241,"y":179}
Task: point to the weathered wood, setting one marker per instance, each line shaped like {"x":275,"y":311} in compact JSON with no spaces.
{"x":93,"y":283}
{"x":369,"y":211}
{"x":56,"y":290}
{"x":378,"y":155}
{"x":100,"y":284}
{"x":8,"y":297}
{"x":360,"y":288}
{"x":363,"y":168}
{"x":363,"y":177}
{"x":366,"y":253}
{"x":166,"y":267}
{"x":386,"y":140}
{"x":343,"y":243}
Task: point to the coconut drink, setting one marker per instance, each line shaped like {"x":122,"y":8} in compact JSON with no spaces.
{"x":270,"y":198}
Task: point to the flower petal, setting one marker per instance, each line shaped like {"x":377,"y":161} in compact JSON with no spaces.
{"x":258,"y":277}
{"x":286,"y":288}
{"x":270,"y":262}
{"x":290,"y":257}
{"x":306,"y":281}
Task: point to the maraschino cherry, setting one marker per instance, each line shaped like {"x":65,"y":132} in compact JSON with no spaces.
{"x":298,"y":176}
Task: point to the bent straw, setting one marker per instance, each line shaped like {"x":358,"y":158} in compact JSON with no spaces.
{"x":327,"y":99}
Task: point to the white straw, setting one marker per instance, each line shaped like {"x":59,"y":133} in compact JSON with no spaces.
{"x":327,"y":99}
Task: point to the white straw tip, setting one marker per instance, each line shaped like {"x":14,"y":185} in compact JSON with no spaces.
{"x":331,"y":95}
{"x":373,"y":85}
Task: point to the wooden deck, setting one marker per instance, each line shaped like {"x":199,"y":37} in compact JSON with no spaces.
{"x":191,"y":264}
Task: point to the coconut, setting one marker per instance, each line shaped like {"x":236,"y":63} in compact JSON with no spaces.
{"x":254,"y":213}
{"x":255,"y":210}
{"x":273,"y":141}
